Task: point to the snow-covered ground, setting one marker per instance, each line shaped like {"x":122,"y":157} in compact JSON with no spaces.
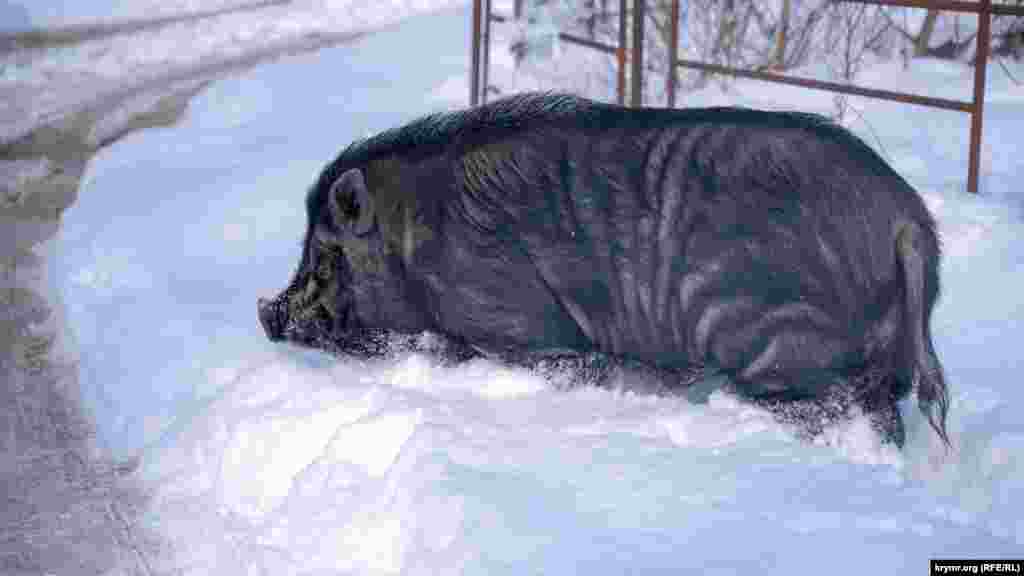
{"x":41,"y":85}
{"x":266,"y":459}
{"x":51,"y":14}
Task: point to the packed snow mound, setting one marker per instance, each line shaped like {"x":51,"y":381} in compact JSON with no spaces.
{"x":411,"y":465}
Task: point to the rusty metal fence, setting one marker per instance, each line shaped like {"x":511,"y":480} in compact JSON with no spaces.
{"x":984,"y":9}
{"x":480,"y":50}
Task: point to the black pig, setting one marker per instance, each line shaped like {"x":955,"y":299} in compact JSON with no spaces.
{"x":776,"y":248}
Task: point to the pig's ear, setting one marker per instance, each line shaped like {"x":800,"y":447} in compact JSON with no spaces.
{"x":350,"y":204}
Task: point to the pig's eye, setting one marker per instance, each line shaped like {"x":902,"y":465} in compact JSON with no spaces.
{"x":323,"y":269}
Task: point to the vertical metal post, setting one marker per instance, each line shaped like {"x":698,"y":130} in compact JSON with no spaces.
{"x":474,"y":57}
{"x":486,"y":64}
{"x":636,"y":97}
{"x":621,"y":54}
{"x":673,"y":54}
{"x":980,"y":63}
{"x":518,"y":50}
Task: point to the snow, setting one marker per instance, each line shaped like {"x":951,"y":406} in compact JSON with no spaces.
{"x":13,"y":17}
{"x":14,"y":174}
{"x":84,"y":12}
{"x":50,"y":83}
{"x":268,"y":459}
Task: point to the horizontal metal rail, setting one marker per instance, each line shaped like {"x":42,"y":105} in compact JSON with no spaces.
{"x":601,"y":46}
{"x":831,"y":86}
{"x":947,"y":5}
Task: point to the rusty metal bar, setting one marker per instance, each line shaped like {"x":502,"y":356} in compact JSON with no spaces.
{"x":621,"y":54}
{"x":980,"y":63}
{"x":600,"y":46}
{"x":832,"y":86}
{"x":485,"y":65}
{"x":474,"y":57}
{"x":1004,"y":10}
{"x":670,"y":80}
{"x":947,"y":5}
{"x":636,"y":94}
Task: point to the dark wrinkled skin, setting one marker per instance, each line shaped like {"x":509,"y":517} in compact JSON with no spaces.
{"x":774,"y":248}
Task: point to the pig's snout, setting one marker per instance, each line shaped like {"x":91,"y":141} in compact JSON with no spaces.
{"x":269,"y":312}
